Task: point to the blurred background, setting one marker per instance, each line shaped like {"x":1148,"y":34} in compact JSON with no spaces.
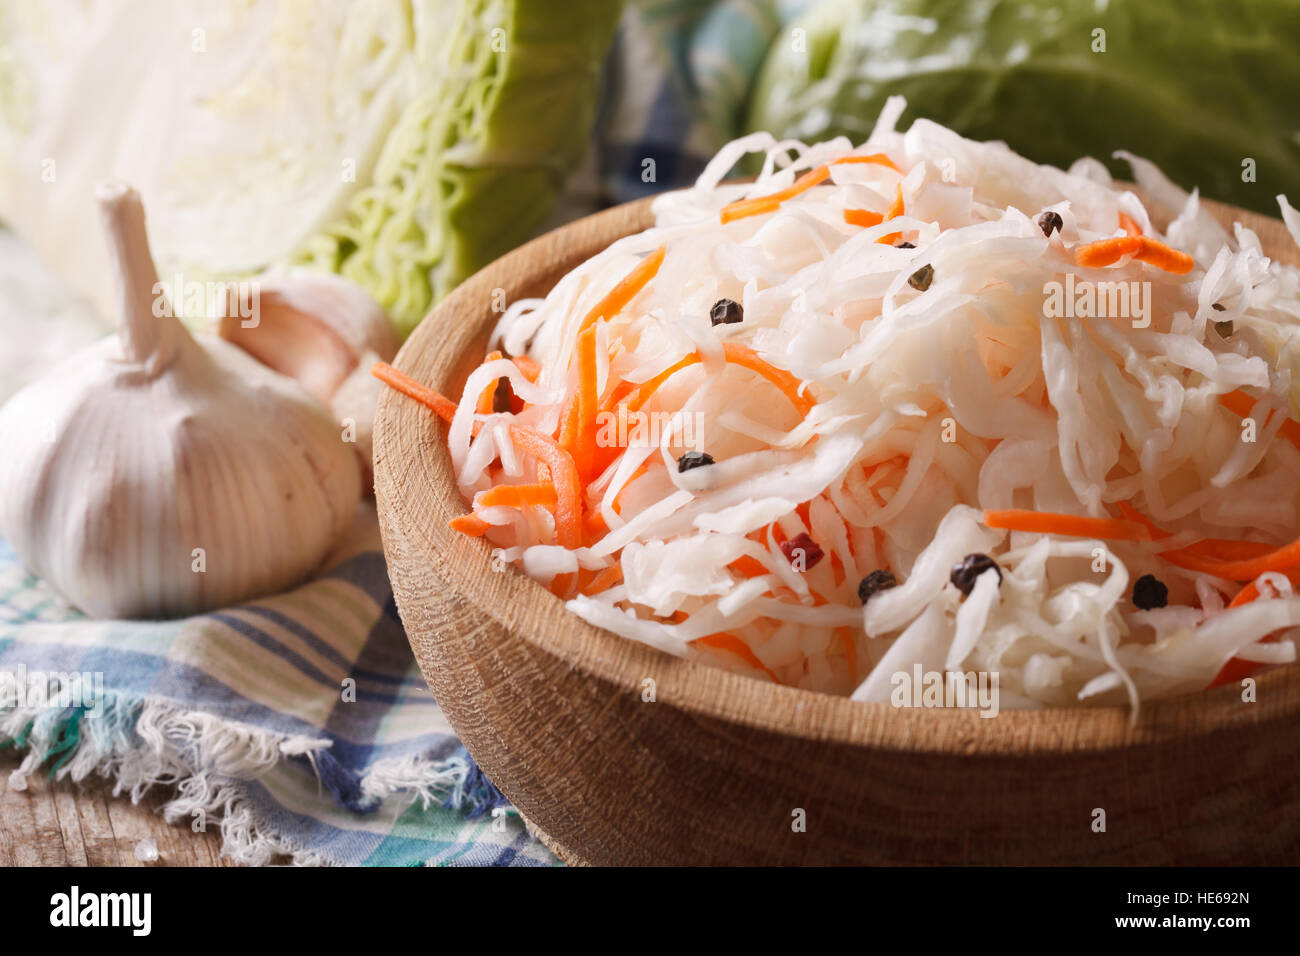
{"x":406,"y":143}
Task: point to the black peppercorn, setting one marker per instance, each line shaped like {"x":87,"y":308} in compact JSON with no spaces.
{"x":874,"y":583}
{"x":502,"y":395}
{"x":1219,"y":307}
{"x":1150,"y":592}
{"x":1050,"y":222}
{"x":920,"y":279}
{"x":967,"y":571}
{"x":726,"y":312}
{"x":693,"y":459}
{"x":905,"y":245}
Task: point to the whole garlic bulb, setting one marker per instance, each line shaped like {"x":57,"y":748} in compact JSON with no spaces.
{"x":156,"y":474}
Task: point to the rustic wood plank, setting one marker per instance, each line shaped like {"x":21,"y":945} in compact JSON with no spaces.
{"x":64,"y":800}
{"x":97,"y":829}
{"x":59,"y":823}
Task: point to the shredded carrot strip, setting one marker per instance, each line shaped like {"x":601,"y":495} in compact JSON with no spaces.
{"x":1236,"y":669}
{"x":594,"y":526}
{"x":744,"y":208}
{"x":470,"y":524}
{"x":518,"y":496}
{"x":568,"y":435}
{"x":564,"y":475}
{"x":1237,"y":402}
{"x":1105,"y":252}
{"x":529,"y":367}
{"x":1240,"y":404}
{"x":1221,"y":549}
{"x":642,"y":393}
{"x":895,"y":209}
{"x":749,"y":567}
{"x":1132,"y":514}
{"x":485,"y":400}
{"x":443,"y":407}
{"x":878,"y":159}
{"x":736,"y":354}
{"x":584,"y":446}
{"x":606,"y":579}
{"x":729,"y":642}
{"x":620,"y":391}
{"x":850,"y":650}
{"x":1227,"y":549}
{"x":1046,"y":522}
{"x":1284,"y":559}
{"x":560,"y":469}
{"x":1247,"y":594}
{"x":862,"y":217}
{"x":608,"y":453}
{"x":584,"y":578}
{"x":837,"y":569}
{"x":789,"y":385}
{"x":1164,"y":257}
{"x":623,"y":293}
{"x":577,"y":418}
{"x":761,"y":204}
{"x":758,"y":205}
{"x":1129,"y":226}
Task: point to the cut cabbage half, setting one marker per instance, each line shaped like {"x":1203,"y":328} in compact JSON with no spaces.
{"x":401,"y":143}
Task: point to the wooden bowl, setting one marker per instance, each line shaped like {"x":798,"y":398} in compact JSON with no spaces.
{"x":719,"y":768}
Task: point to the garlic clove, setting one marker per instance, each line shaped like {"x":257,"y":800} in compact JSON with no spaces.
{"x":311,"y":326}
{"x":353,"y":406}
{"x":159,"y":474}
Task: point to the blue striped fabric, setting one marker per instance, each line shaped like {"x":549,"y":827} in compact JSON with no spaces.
{"x":247,"y":718}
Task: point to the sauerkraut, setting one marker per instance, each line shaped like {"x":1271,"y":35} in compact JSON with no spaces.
{"x":891,"y":359}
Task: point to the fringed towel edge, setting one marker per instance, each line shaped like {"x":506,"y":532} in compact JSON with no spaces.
{"x":139,"y":744}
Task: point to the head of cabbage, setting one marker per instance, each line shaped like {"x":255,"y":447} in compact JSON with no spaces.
{"x":400,"y":143}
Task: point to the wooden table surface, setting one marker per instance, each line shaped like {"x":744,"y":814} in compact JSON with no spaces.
{"x":60,"y":823}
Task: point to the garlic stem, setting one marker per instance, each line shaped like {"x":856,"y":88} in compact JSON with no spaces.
{"x":150,"y":333}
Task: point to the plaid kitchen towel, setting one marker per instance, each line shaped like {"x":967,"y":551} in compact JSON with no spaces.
{"x":298,"y":725}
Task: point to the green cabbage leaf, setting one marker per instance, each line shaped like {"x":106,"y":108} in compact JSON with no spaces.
{"x":1207,"y":89}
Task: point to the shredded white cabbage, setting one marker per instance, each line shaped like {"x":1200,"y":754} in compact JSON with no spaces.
{"x":925,"y":405}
